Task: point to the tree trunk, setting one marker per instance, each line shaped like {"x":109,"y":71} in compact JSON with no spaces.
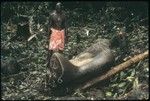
{"x":116,"y":69}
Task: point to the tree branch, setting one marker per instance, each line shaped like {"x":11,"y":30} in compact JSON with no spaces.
{"x":116,"y":69}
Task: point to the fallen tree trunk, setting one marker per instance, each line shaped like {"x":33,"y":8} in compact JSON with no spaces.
{"x":88,"y":64}
{"x":116,"y":69}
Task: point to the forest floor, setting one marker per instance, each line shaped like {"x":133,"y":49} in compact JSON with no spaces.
{"x":128,"y":84}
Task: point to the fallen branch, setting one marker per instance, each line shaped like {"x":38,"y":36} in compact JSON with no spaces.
{"x":116,"y":69}
{"x":32,"y":36}
{"x":22,"y":59}
{"x":19,"y":75}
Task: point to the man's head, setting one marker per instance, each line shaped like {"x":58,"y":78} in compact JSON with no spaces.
{"x":58,"y":7}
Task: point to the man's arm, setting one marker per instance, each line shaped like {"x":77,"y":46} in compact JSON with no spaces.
{"x":66,"y":30}
{"x":49,"y":24}
{"x":49,"y":28}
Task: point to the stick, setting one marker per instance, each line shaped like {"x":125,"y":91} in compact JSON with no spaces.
{"x":32,"y":36}
{"x":116,"y":69}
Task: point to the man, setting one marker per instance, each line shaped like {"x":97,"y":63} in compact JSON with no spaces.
{"x":57,"y":30}
{"x":58,"y":33}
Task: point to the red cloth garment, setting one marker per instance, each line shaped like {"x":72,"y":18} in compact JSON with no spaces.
{"x":56,"y":39}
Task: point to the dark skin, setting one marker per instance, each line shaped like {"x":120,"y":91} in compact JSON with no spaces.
{"x":57,"y":21}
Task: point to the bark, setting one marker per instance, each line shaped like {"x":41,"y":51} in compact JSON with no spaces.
{"x":117,"y":69}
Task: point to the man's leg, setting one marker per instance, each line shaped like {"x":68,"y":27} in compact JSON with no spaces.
{"x":50,"y":52}
{"x":60,"y":51}
{"x":48,"y":68}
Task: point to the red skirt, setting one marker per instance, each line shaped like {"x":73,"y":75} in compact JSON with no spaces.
{"x":56,"y":40}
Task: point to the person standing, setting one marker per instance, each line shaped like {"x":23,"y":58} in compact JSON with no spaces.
{"x":57,"y":30}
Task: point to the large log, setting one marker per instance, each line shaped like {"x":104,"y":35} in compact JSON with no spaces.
{"x":86,"y":65}
{"x":117,"y":69}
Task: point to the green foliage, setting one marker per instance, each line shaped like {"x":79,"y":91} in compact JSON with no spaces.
{"x":85,"y":25}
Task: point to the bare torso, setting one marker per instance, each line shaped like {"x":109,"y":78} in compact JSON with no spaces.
{"x":58,"y":20}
